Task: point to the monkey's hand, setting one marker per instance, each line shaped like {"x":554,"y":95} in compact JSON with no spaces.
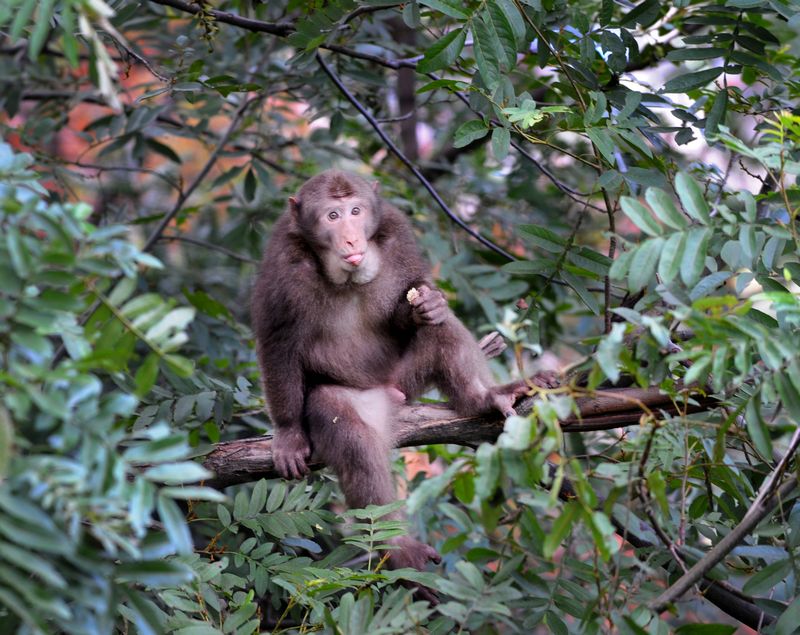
{"x":428,"y":306}
{"x":290,"y":451}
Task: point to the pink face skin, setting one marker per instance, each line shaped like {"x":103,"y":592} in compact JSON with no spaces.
{"x":346,"y":223}
{"x":343,"y":227}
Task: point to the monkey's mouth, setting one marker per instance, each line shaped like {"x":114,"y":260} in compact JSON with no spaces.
{"x":354,"y":259}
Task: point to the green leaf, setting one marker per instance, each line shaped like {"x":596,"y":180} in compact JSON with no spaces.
{"x":586,"y":296}
{"x":32,"y":563}
{"x":451,"y":8}
{"x":705,"y":53}
{"x":692,"y":198}
{"x":180,"y":365}
{"x":249,"y":189}
{"x":485,"y":46}
{"x":514,"y":18}
{"x":716,"y":114}
{"x":470,"y":131}
{"x":443,"y":52}
{"x":608,"y":351}
{"x":496,"y":20}
{"x":22,"y":18}
{"x":664,"y":207}
{"x":154,"y":573}
{"x":605,"y":144}
{"x":146,"y":375}
{"x":501,"y":142}
{"x":258,"y":498}
{"x":788,"y":622}
{"x":487,"y":468}
{"x":177,"y":473}
{"x":20,"y":258}
{"x":689,"y":81}
{"x":175,"y":525}
{"x":640,"y":216}
{"x":276,"y":496}
{"x":562,"y":527}
{"x":543,"y":237}
{"x":645,"y":13}
{"x":41,"y":28}
{"x":763,"y":582}
{"x":194,"y":492}
{"x":6,"y":441}
{"x":694,"y":257}
{"x":789,"y":394}
{"x":644,"y":263}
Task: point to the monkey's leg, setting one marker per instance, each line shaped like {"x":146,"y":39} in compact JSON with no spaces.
{"x":447,"y":356}
{"x":351,"y":432}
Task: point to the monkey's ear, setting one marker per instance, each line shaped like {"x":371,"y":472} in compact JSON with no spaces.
{"x":376,"y":186}
{"x":294,"y":208}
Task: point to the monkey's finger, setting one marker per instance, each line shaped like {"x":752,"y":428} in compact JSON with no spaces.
{"x":510,"y":412}
{"x":432,"y":306}
{"x":438,"y":316}
{"x":433,"y":555}
{"x":300,"y":467}
{"x":281,"y":467}
{"x":422,"y":592}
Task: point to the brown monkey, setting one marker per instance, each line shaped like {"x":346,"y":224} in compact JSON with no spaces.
{"x":340,"y":345}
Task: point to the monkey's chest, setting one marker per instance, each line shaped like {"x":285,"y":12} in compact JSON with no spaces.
{"x":353,"y":348}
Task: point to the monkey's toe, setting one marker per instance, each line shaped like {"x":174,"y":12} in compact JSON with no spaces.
{"x":546,"y":379}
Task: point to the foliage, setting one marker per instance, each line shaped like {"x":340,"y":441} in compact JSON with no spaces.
{"x":640,"y":162}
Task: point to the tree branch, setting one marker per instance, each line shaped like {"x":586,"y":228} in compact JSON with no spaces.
{"x":414,"y":170}
{"x":202,"y":243}
{"x":246,"y":460}
{"x":769,"y":497}
{"x":250,"y":459}
{"x":156,"y":235}
{"x":281,"y":29}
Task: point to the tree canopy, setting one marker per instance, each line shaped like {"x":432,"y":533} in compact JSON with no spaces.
{"x":610,"y":185}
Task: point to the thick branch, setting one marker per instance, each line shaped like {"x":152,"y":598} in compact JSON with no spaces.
{"x":249,"y":459}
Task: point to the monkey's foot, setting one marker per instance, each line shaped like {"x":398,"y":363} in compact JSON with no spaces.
{"x":395,"y":394}
{"x":414,"y":554}
{"x":546,"y":379}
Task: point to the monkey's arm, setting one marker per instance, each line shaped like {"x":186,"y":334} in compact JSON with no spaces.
{"x":284,"y":390}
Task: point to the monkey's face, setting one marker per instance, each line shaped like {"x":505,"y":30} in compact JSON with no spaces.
{"x":343,"y":228}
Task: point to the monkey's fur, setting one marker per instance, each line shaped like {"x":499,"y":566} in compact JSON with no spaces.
{"x":340,"y":346}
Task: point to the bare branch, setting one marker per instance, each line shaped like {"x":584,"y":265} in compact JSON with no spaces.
{"x":156,"y":235}
{"x":211,"y":246}
{"x":281,"y":29}
{"x":414,"y":170}
{"x":769,"y":497}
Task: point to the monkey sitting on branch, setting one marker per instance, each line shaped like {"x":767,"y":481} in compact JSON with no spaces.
{"x":349,"y":326}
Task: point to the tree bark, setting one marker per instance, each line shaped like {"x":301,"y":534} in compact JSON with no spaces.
{"x":250,"y":459}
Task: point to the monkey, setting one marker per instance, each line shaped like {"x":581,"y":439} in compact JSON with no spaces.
{"x":342,"y":341}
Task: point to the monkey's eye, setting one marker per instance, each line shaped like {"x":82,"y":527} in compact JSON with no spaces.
{"x":333,"y":215}
{"x":355,"y":211}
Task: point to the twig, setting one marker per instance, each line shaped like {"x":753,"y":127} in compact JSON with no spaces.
{"x":281,"y":29}
{"x":767,"y":499}
{"x":413,"y":168}
{"x":154,"y":237}
{"x":201,"y":243}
